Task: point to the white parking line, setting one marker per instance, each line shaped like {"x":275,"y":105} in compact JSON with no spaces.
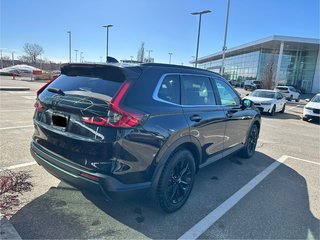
{"x":19,"y":166}
{"x":26,"y":126}
{"x":304,"y":160}
{"x":197,"y":230}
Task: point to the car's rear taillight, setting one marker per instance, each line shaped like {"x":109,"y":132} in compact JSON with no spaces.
{"x":116,"y":117}
{"x":38,"y":105}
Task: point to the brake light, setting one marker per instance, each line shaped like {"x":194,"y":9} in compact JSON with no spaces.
{"x":116,"y":117}
{"x":38,"y":105}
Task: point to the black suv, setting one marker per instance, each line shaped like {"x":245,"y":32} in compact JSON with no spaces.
{"x":119,"y":129}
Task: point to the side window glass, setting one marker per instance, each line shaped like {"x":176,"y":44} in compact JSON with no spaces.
{"x":227,"y":95}
{"x":197,"y":90}
{"x":170,"y":89}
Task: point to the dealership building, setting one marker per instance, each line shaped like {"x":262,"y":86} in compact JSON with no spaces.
{"x":292,"y":60}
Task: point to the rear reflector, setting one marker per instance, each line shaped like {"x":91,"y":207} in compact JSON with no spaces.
{"x":89,"y":176}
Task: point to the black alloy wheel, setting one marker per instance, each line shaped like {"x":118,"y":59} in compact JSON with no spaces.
{"x":250,"y":147}
{"x":176,"y":181}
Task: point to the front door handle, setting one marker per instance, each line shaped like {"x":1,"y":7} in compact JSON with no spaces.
{"x":195,"y":118}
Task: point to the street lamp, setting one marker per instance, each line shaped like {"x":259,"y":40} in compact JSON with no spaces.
{"x":170,"y":53}
{"x":224,"y":48}
{"x":81,"y":58}
{"x":149,"y":51}
{"x":76,"y":51}
{"x":200,"y":14}
{"x":69,"y":32}
{"x":107,"y":27}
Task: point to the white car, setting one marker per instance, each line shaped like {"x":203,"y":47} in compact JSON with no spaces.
{"x":289,"y":92}
{"x":312,"y":109}
{"x":268,"y":101}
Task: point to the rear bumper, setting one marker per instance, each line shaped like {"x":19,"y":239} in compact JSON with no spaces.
{"x":108,"y":186}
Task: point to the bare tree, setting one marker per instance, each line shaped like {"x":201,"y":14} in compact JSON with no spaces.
{"x":32,"y":51}
{"x":269,"y":72}
{"x":140,"y":56}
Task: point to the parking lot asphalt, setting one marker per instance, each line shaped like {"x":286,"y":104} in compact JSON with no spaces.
{"x":241,"y":198}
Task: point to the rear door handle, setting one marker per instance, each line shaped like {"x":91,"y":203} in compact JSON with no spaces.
{"x":195,"y":118}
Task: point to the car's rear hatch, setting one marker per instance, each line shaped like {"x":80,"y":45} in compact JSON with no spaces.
{"x":78,"y":115}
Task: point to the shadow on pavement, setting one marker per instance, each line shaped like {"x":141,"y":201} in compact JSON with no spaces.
{"x":284,"y":115}
{"x":66,"y":213}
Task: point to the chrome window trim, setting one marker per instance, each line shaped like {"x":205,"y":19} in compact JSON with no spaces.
{"x":157,"y":88}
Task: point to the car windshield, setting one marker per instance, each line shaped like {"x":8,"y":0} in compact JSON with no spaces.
{"x":263,"y":94}
{"x":316,"y":99}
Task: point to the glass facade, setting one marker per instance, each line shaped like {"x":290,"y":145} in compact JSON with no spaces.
{"x":298,"y":64}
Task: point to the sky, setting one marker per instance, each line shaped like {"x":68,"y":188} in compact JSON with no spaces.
{"x":163,"y":25}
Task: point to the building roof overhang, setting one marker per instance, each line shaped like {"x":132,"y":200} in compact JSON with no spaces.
{"x":272,"y":42}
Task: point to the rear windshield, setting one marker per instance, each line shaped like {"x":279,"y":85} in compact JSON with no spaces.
{"x":93,"y":80}
{"x":78,"y":85}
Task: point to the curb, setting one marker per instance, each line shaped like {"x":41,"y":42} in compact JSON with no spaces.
{"x":3,"y":88}
{"x":7,"y":230}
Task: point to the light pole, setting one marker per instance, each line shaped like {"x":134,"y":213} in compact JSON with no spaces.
{"x":76,"y":51}
{"x":81,"y":57}
{"x":149,"y":51}
{"x":170,"y":53}
{"x":200,"y":14}
{"x":69,"y":32}
{"x":224,"y":48}
{"x":12,"y":58}
{"x":107,"y":44}
{"x":1,"y":59}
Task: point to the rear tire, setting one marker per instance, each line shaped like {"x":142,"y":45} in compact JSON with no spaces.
{"x":305,"y":119}
{"x":251,"y":143}
{"x":283,"y":108}
{"x":298,"y":99}
{"x":176,"y":181}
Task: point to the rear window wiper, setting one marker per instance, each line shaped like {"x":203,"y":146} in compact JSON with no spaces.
{"x":56,"y":90}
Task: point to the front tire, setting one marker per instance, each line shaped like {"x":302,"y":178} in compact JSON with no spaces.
{"x":251,"y":143}
{"x":176,"y":181}
{"x":273,"y":111}
{"x":283,"y":108}
{"x":290,"y":98}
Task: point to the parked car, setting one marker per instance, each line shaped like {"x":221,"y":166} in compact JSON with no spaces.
{"x":251,"y":85}
{"x":122,"y":129}
{"x":312,"y":109}
{"x":268,"y":101}
{"x":289,"y":92}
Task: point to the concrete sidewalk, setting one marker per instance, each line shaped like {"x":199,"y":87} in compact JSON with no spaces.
{"x":7,"y":230}
{"x":10,"y":88}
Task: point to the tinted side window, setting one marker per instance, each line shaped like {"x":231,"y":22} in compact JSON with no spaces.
{"x":227,"y":95}
{"x":170,"y":89}
{"x":197,"y":90}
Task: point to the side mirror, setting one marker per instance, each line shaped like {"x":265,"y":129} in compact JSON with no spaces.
{"x":247,"y":103}
{"x":307,"y":100}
